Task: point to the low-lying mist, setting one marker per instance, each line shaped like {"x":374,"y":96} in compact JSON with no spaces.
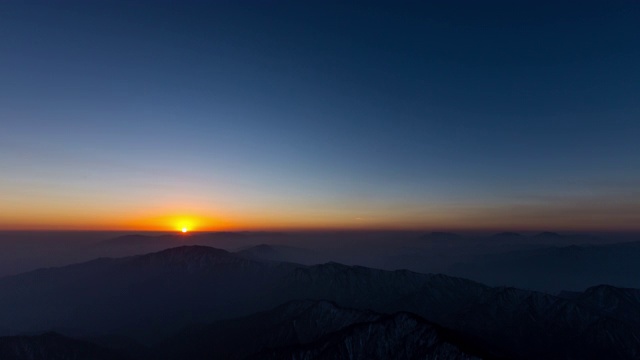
{"x":539,"y":261}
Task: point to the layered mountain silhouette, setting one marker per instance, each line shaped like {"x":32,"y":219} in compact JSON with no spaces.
{"x":156,"y":297}
{"x":133,"y":244}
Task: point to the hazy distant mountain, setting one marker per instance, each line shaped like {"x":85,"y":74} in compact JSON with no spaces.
{"x":443,"y":252}
{"x":135,"y":244}
{"x":434,"y":252}
{"x":151,"y":296}
{"x":439,"y":251}
{"x":555,"y":239}
{"x":558,"y":268}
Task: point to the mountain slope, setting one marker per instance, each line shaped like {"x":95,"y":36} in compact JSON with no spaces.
{"x":52,"y":346}
{"x":293,"y":323}
{"x":145,"y":296}
{"x":398,"y":336}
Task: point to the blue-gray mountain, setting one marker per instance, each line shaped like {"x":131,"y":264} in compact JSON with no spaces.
{"x":151,"y":297}
{"x":557,"y":268}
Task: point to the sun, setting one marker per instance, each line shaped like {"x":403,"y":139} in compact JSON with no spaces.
{"x":184,"y":230}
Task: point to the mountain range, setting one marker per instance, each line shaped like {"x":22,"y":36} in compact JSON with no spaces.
{"x":184,"y":297}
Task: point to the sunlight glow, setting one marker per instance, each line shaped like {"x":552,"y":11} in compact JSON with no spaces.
{"x":176,"y":222}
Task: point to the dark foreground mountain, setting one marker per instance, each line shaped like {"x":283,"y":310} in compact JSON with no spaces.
{"x":311,"y":330}
{"x":296,"y":330}
{"x":398,"y":336}
{"x":149,"y":297}
{"x":52,"y":346}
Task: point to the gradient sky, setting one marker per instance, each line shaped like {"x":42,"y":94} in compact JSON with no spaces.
{"x":285,"y":115}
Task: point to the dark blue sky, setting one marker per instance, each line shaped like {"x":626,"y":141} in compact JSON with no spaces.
{"x":449,"y":114}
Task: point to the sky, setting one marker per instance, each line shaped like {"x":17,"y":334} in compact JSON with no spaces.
{"x":229,"y":115}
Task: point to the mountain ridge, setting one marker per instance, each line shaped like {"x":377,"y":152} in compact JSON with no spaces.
{"x":150,"y":296}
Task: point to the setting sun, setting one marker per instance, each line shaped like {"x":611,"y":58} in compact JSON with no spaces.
{"x":184,"y":229}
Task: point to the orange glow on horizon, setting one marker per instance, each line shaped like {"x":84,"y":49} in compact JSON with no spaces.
{"x":195,"y":218}
{"x":182,"y":223}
